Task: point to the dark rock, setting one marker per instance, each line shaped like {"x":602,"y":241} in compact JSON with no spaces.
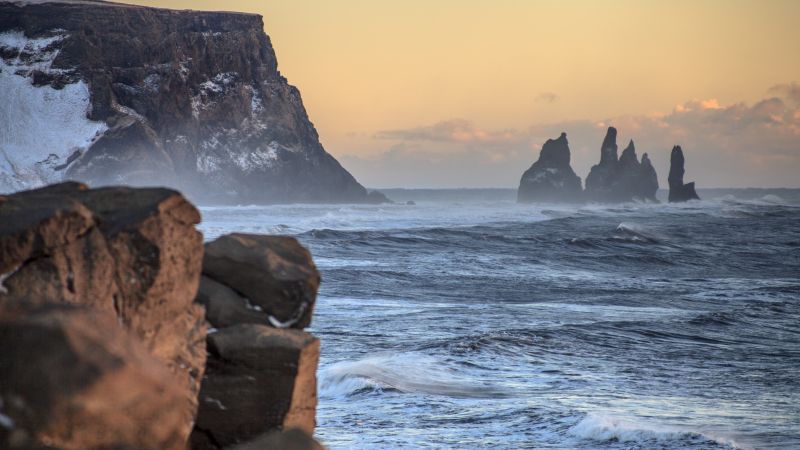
{"x":551,"y":178}
{"x":274,"y":273}
{"x":621,"y":179}
{"x":131,"y":252}
{"x":678,"y":191}
{"x":192,"y":100}
{"x":71,"y":377}
{"x":377,"y":198}
{"x":258,"y":379}
{"x":293,"y":439}
{"x":225,"y":308}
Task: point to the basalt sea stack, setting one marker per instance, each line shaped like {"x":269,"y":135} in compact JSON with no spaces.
{"x":116,"y":94}
{"x":551,"y":178}
{"x":621,"y":179}
{"x":679,"y":192}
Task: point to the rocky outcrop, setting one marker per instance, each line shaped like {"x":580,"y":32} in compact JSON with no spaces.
{"x":678,"y":191}
{"x":275,"y":275}
{"x":621,"y":179}
{"x":132,"y":253}
{"x":293,"y":439}
{"x":551,"y":178}
{"x":118,"y":94}
{"x":73,"y":378}
{"x":259,"y":292}
{"x":259,"y":378}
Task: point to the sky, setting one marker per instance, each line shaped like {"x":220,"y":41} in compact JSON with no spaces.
{"x":463,"y":93}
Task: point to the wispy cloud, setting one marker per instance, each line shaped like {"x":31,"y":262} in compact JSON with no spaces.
{"x":454,"y":130}
{"x":547,"y":97}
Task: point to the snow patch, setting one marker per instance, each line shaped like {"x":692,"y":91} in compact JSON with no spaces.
{"x":40,"y":126}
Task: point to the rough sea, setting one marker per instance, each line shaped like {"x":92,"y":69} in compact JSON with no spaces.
{"x":469,"y":321}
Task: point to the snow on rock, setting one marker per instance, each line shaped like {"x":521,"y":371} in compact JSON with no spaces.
{"x":40,"y":126}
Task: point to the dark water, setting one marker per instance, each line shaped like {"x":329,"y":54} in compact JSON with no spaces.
{"x":486,"y":324}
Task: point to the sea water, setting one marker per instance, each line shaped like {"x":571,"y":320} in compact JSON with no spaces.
{"x":469,"y":321}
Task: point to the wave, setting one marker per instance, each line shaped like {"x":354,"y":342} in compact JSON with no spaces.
{"x":634,"y":232}
{"x":407,"y":373}
{"x":605,"y":427}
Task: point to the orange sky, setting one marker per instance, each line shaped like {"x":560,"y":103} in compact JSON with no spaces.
{"x":522,"y":66}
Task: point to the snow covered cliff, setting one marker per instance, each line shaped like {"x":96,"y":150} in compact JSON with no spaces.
{"x":116,"y":94}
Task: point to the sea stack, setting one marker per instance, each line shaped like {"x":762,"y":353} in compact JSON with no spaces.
{"x":621,"y":179}
{"x":550,"y":178}
{"x":678,"y":191}
{"x":112,"y":94}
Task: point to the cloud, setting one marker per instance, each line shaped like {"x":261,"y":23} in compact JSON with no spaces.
{"x":454,"y":130}
{"x":726,"y":146}
{"x":788,"y":91}
{"x":546,"y":97}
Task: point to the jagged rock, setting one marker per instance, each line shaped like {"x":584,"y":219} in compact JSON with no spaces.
{"x":258,"y":379}
{"x":551,"y":178}
{"x":678,"y":191}
{"x":128,"y":94}
{"x":274,"y":273}
{"x":72,"y":378}
{"x":293,"y":439}
{"x":225,"y":308}
{"x":621,"y":179}
{"x":131,"y":252}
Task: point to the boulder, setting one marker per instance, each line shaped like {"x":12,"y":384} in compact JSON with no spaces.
{"x":293,"y":439}
{"x":131,"y":252}
{"x":258,"y":378}
{"x":72,"y":378}
{"x":274,"y":273}
{"x":225,"y":308}
{"x":678,"y":191}
{"x":551,"y":178}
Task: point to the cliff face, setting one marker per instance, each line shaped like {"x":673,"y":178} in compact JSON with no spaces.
{"x":551,"y":178}
{"x":117,"y":94}
{"x":621,"y":179}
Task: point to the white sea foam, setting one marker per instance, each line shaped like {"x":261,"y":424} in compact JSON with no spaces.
{"x":407,"y":372}
{"x":606,"y":427}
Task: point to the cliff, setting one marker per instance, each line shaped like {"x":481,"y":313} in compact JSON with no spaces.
{"x":551,"y":178}
{"x":116,"y":94}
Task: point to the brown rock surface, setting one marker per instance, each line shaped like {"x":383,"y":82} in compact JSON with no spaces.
{"x":132,"y":252}
{"x":258,"y":378}
{"x":72,"y":378}
{"x":275,"y":273}
{"x":224,"y":307}
{"x":293,"y":439}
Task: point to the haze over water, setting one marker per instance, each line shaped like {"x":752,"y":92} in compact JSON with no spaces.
{"x":468,"y":321}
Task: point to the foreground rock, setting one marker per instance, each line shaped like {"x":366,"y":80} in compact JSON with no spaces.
{"x":259,"y":292}
{"x":133,"y":253}
{"x":551,"y":178}
{"x":275,"y":274}
{"x":188,"y":99}
{"x":678,"y":191}
{"x":258,"y":378}
{"x":621,"y":179}
{"x":73,"y":378}
{"x":293,"y":439}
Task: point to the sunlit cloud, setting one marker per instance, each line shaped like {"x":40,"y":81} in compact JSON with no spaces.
{"x":547,"y":97}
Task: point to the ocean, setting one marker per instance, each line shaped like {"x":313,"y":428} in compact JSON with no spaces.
{"x":468,"y":321}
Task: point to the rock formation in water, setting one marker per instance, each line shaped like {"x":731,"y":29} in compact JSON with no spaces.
{"x":105,"y":347}
{"x":117,"y":94}
{"x":551,"y":178}
{"x":621,"y":179}
{"x":678,"y":191}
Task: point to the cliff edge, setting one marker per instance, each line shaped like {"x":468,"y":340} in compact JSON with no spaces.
{"x":108,"y":93}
